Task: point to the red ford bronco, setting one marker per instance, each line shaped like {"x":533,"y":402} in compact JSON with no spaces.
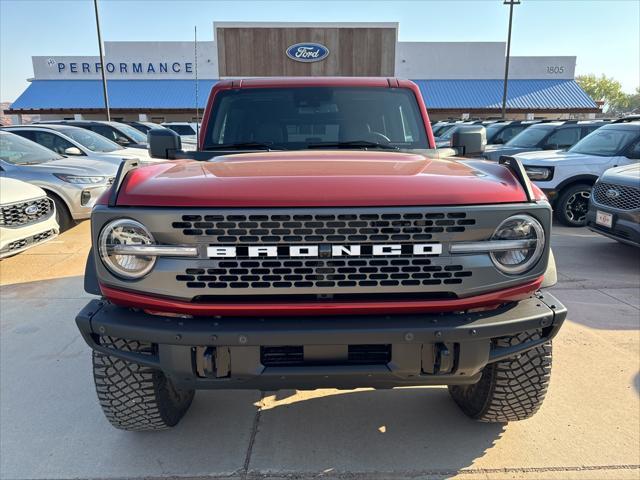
{"x":318,"y":239}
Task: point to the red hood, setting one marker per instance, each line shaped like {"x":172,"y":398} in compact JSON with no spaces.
{"x":319,"y":179}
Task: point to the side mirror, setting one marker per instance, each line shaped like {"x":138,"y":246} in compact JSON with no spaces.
{"x":164,"y":143}
{"x":122,"y":141}
{"x":72,"y":151}
{"x":498,"y":141}
{"x":469,"y":141}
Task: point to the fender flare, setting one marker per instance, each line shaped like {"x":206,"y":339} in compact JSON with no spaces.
{"x":91,"y":284}
{"x":551,"y":274}
{"x":590,"y":179}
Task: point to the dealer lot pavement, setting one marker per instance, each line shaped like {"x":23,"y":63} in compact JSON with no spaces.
{"x":51,"y":425}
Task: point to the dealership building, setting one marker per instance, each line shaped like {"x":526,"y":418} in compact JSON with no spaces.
{"x":166,"y":81}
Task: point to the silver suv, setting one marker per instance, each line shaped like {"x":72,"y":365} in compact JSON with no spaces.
{"x":73,"y":184}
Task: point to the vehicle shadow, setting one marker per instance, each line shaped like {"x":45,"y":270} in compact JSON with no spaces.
{"x":409,"y":431}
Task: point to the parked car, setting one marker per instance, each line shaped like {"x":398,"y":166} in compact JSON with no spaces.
{"x":500,"y":132}
{"x":120,"y":133}
{"x":73,"y":184}
{"x":567,"y":177}
{"x":614,"y":210}
{"x":27,"y":217}
{"x":144,"y":127}
{"x":441,"y":127}
{"x":559,"y":135}
{"x":187,"y":132}
{"x":78,"y":142}
{"x":444,"y":140}
{"x":184,"y":129}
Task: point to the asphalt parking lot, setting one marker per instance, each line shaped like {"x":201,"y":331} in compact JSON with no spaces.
{"x":51,"y":425}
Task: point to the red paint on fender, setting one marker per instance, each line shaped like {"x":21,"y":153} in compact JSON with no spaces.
{"x":372,"y":307}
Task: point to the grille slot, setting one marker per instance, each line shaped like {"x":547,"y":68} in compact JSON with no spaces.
{"x":320,"y":228}
{"x":282,"y":355}
{"x":32,"y":240}
{"x":293,"y":356}
{"x":269,"y":273}
{"x":15,"y":216}
{"x":628,"y":197}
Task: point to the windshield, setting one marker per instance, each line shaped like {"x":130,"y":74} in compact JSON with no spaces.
{"x":493,"y":129}
{"x":439,"y":128}
{"x":182,"y":129}
{"x":450,"y":131}
{"x":530,"y":137}
{"x":20,"y":151}
{"x":447,"y":128}
{"x":307,"y":117}
{"x":605,"y":142}
{"x":91,"y":140}
{"x":131,"y":132}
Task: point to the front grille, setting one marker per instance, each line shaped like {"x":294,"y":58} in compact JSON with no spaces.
{"x":333,"y":268}
{"x":622,"y":197}
{"x":32,"y":240}
{"x":323,"y":273}
{"x":319,"y":228}
{"x":293,"y":356}
{"x":14,"y":215}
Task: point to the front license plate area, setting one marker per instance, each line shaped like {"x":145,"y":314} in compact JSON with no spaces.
{"x":605,"y":219}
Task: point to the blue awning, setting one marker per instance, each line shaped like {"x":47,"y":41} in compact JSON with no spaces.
{"x":521,"y":94}
{"x":123,"y":94}
{"x":530,"y":95}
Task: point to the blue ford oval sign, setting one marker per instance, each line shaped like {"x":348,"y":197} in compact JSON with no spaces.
{"x":307,"y":52}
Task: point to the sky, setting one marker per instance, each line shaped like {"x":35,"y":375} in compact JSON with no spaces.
{"x":603,"y":34}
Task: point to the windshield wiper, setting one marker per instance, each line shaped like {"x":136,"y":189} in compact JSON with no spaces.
{"x":352,"y":144}
{"x":240,"y":146}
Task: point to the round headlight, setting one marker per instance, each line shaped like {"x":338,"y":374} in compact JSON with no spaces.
{"x":519,"y":227}
{"x":125,"y":232}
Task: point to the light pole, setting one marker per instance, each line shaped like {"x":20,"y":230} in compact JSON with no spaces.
{"x":104,"y":75}
{"x":511,"y":3}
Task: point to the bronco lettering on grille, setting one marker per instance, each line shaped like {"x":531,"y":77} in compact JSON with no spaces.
{"x":323,"y":251}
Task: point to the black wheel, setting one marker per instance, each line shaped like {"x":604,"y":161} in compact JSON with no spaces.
{"x":573,"y":204}
{"x":63,"y":217}
{"x":134,"y":397}
{"x":511,"y":389}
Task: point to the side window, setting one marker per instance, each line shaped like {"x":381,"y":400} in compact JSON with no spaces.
{"x":587,"y":130}
{"x":105,"y":131}
{"x":52,"y":142}
{"x":634,"y":151}
{"x":25,"y":134}
{"x":510,"y":132}
{"x":564,"y":138}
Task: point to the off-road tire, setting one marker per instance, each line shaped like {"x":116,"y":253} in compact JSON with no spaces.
{"x":134,"y":397}
{"x":568,"y":195}
{"x":511,"y":389}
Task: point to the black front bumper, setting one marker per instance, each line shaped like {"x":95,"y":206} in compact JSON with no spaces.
{"x":322,"y":352}
{"x":626,"y":224}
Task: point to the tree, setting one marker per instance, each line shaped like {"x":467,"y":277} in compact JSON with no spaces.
{"x":604,"y":89}
{"x":633,"y":102}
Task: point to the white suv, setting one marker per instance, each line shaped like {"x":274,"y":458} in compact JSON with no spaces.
{"x":27,"y":217}
{"x":567,"y":177}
